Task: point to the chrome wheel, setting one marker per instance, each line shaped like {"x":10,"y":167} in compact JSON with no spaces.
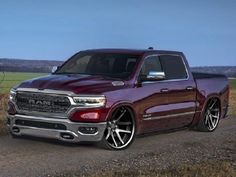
{"x":212,"y":115}
{"x":120,"y":129}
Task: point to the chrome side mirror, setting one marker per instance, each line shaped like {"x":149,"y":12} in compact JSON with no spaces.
{"x":54,"y":68}
{"x":153,"y":75}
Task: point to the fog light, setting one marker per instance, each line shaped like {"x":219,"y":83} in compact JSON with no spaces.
{"x":86,"y":115}
{"x":88,"y":130}
{"x":15,"y":130}
{"x":90,"y":115}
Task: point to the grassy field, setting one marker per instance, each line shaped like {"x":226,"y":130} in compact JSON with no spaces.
{"x":10,"y":79}
{"x":7,"y":81}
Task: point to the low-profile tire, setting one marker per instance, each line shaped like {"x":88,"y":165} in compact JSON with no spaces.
{"x":211,"y":116}
{"x":120,"y":130}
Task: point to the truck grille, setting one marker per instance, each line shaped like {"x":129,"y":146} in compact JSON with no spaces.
{"x":40,"y":102}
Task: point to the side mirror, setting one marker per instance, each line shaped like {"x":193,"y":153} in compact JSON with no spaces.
{"x":54,"y":68}
{"x":153,"y":76}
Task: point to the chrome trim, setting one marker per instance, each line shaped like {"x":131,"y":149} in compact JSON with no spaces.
{"x":169,"y":116}
{"x":170,"y":80}
{"x":156,"y":75}
{"x":48,"y":91}
{"x":72,"y":129}
{"x":73,"y":107}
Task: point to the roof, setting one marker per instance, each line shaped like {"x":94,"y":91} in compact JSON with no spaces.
{"x":130,"y":51}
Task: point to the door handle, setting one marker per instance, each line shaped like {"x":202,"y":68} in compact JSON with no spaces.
{"x":189,"y":88}
{"x":164,"y":90}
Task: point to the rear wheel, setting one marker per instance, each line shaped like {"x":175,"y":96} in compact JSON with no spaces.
{"x":120,"y":130}
{"x":211,"y":117}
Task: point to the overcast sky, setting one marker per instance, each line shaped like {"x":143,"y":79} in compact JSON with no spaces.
{"x":205,"y":30}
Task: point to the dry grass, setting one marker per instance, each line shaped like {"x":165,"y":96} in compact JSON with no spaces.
{"x":232,"y":102}
{"x":205,"y":169}
{"x":3,"y":108}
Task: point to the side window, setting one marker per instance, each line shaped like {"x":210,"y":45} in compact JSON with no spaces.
{"x":173,"y":67}
{"x":151,"y":63}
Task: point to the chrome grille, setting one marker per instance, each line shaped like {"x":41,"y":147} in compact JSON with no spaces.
{"x":40,"y":102}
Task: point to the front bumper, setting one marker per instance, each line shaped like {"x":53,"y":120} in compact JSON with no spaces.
{"x":61,"y":129}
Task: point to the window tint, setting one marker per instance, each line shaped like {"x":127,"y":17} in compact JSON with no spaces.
{"x":173,"y":67}
{"x":151,"y":63}
{"x":103,"y":64}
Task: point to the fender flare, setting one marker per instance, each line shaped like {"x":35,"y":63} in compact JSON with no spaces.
{"x":208,"y":98}
{"x":127,"y":104}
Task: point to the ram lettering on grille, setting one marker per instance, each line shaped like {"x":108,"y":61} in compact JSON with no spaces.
{"x":42,"y":102}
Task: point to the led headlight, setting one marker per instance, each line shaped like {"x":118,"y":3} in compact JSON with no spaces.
{"x":12,"y":95}
{"x":90,"y":101}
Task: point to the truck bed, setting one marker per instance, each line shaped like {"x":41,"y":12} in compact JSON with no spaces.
{"x":197,"y":75}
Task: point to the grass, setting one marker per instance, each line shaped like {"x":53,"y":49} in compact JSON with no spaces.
{"x":232,"y":83}
{"x":10,"y":79}
{"x":232,"y":101}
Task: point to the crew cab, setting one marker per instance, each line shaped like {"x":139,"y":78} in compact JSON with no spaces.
{"x":112,"y":95}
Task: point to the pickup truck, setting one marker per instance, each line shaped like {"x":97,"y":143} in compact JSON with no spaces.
{"x":112,"y":95}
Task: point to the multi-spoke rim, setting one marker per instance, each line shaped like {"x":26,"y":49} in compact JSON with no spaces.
{"x":212,"y":114}
{"x":120,"y":129}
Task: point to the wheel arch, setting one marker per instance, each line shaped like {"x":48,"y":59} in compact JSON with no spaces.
{"x":128,"y":105}
{"x":117,"y":105}
{"x":200,"y":113}
{"x":210,"y":97}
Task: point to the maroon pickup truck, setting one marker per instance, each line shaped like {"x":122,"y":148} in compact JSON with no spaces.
{"x":111,"y":95}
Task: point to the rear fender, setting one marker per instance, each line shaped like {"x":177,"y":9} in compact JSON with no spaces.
{"x":199,"y":114}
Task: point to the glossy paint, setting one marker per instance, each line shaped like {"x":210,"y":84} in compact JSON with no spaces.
{"x":153,"y":106}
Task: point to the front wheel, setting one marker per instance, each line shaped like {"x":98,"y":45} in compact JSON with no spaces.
{"x":120,"y":130}
{"x":211,"y":117}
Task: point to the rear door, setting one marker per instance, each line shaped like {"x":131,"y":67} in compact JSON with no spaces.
{"x":171,"y":102}
{"x":181,"y":90}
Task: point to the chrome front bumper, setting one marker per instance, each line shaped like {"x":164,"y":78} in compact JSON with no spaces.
{"x":70,"y":133}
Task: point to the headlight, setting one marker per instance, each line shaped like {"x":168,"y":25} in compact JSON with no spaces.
{"x":90,"y":101}
{"x":12,"y":95}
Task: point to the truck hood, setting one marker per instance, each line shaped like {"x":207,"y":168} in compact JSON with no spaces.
{"x":85,"y":84}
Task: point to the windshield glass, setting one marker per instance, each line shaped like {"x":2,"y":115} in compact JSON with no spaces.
{"x":109,"y":65}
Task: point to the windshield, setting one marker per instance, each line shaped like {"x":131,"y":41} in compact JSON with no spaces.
{"x":109,"y":65}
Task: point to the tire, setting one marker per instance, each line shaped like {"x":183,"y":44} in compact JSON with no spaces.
{"x":14,"y":136}
{"x":211,"y":116}
{"x":120,"y":130}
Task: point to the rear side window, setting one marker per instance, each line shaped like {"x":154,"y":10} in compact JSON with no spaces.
{"x":173,"y":67}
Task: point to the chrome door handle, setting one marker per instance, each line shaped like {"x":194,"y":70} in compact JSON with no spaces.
{"x":189,"y":88}
{"x":164,"y":90}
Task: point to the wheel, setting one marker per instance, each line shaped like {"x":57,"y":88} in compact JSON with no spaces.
{"x":120,"y":130}
{"x":211,"y":116}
